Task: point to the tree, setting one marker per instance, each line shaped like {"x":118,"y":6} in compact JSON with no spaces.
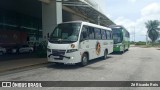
{"x":153,"y":30}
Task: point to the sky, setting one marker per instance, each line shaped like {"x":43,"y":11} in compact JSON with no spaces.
{"x":132,"y":14}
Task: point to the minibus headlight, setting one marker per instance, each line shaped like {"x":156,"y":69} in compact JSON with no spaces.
{"x":71,"y":50}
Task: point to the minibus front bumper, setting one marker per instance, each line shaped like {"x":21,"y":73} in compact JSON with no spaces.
{"x":60,"y":56}
{"x":68,"y":58}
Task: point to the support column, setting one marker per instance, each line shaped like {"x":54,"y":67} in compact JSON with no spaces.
{"x":51,"y":16}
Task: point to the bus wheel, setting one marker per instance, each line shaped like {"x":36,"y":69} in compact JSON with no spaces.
{"x":105,"y":54}
{"x":123,"y":50}
{"x":84,"y":60}
{"x":127,"y":49}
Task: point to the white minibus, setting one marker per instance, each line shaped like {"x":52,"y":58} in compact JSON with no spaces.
{"x":78,"y":42}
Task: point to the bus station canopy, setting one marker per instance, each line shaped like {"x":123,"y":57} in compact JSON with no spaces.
{"x":88,"y":11}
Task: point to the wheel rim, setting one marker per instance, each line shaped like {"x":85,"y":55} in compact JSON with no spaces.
{"x":85,"y":60}
{"x":105,"y":54}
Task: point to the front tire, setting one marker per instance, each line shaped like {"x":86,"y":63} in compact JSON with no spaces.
{"x":105,"y":54}
{"x":84,"y":60}
{"x":123,"y":50}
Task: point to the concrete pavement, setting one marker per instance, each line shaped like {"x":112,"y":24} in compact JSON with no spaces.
{"x":10,"y":65}
{"x":137,"y":64}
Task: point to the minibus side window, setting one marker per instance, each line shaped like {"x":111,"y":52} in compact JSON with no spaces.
{"x":84,"y":33}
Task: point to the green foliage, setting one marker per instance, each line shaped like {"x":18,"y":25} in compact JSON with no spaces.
{"x":153,"y":35}
{"x":140,"y":43}
{"x":152,"y":26}
{"x":42,"y":50}
{"x":132,"y":42}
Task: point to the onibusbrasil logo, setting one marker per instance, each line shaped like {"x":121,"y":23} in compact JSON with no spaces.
{"x":21,"y":84}
{"x":98,"y":48}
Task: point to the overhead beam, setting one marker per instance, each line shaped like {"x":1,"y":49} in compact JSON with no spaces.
{"x":45,"y":1}
{"x":75,"y":13}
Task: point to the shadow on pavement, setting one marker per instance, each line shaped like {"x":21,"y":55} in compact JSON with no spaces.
{"x":74,"y":66}
{"x":119,"y":53}
{"x":116,"y":53}
{"x":98,"y":60}
{"x":62,"y":66}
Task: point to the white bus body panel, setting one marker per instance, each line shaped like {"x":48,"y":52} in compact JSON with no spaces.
{"x":90,"y":47}
{"x":75,"y":56}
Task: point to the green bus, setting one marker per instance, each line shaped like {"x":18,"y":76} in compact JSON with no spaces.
{"x":121,"y":38}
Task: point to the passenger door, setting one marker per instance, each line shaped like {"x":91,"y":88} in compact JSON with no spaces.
{"x":109,"y":41}
{"x":84,"y":42}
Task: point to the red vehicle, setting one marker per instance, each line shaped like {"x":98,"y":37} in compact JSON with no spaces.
{"x":11,"y":39}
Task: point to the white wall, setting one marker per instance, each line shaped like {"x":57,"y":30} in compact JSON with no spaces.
{"x":51,"y":16}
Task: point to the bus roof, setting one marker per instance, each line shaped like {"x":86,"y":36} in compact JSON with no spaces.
{"x":118,"y":26}
{"x":89,"y":24}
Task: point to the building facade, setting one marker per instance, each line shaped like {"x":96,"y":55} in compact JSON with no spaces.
{"x":23,"y":21}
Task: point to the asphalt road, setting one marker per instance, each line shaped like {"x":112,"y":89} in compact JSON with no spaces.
{"x":137,"y":64}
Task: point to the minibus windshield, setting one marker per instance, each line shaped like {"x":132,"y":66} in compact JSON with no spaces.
{"x":65,"y":33}
{"x":117,"y":35}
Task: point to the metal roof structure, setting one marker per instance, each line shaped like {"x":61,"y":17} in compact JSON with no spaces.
{"x":88,"y":11}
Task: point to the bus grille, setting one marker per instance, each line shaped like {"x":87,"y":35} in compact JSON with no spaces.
{"x":59,"y":53}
